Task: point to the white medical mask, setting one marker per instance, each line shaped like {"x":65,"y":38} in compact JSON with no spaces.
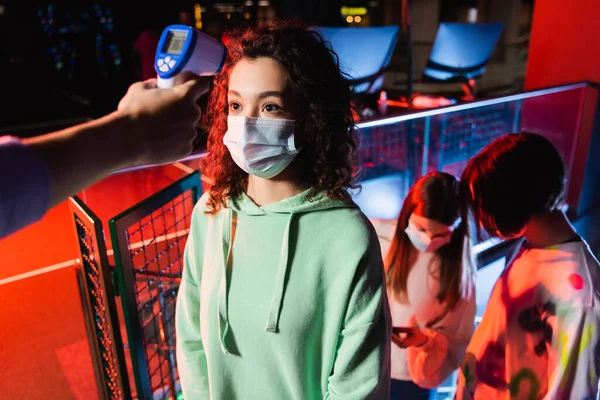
{"x":423,"y":242}
{"x":261,"y":146}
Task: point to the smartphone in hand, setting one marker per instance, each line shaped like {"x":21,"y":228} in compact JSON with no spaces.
{"x":400,"y":331}
{"x":407,"y":336}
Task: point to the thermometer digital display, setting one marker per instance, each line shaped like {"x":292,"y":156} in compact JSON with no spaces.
{"x":175,"y":41}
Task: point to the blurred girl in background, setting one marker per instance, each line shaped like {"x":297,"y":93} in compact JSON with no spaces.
{"x":431,"y":288}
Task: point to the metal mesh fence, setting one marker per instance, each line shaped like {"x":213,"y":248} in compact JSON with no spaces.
{"x":156,"y":246}
{"x":149,"y":246}
{"x":99,"y":305}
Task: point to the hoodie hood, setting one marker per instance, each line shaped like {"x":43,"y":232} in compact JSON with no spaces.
{"x":292,"y":207}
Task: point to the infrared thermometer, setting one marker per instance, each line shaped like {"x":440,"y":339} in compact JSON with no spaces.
{"x":184,"y":49}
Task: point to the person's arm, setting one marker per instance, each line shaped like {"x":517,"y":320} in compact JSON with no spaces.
{"x":362,"y":365}
{"x":24,"y":186}
{"x":152,"y":126}
{"x":191,"y":359}
{"x":574,"y":364}
{"x":433,"y":362}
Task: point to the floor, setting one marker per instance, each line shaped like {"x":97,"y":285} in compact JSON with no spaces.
{"x":44,"y":352}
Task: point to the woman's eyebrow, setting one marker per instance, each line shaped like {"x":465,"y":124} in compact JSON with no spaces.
{"x":262,"y":95}
{"x":271,"y":93}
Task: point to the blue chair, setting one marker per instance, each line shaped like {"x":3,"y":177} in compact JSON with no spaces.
{"x":461,"y":52}
{"x":364,"y":53}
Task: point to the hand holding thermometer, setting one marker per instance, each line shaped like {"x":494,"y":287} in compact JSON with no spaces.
{"x":184,"y":49}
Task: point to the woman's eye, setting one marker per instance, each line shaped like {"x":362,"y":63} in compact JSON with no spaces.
{"x":233,"y":106}
{"x":271,"y":108}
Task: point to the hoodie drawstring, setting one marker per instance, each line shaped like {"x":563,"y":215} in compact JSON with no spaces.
{"x":272,"y":325}
{"x":223,"y":317}
{"x":277,"y":300}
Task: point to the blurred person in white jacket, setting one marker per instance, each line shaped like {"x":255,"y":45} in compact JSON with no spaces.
{"x":540,"y":334}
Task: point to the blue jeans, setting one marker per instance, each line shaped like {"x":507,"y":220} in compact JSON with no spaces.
{"x":407,"y":390}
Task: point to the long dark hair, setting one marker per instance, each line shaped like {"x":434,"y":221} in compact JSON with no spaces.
{"x":328,"y":157}
{"x":434,"y":196}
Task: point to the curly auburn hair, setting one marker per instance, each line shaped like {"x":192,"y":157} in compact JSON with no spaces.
{"x":328,"y":156}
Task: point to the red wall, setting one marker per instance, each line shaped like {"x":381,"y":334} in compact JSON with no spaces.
{"x":565,"y":43}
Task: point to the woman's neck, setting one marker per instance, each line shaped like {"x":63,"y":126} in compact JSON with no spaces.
{"x":549,"y":229}
{"x":267,"y":191}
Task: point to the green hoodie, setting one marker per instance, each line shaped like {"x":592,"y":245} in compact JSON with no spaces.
{"x":301,"y":312}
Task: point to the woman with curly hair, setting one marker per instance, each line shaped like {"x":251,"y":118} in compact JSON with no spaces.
{"x":283,"y":291}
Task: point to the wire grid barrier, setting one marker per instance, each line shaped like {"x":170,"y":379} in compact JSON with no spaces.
{"x":99,"y":305}
{"x":149,"y":252}
{"x":158,"y":267}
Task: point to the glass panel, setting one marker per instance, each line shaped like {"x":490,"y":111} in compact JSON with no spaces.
{"x":396,"y":151}
{"x":457,"y":136}
{"x":389,"y":155}
{"x":555,"y":116}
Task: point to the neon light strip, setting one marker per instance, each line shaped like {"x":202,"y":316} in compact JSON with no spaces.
{"x":470,"y":106}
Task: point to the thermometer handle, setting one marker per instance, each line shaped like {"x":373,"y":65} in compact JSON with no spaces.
{"x":165,"y":83}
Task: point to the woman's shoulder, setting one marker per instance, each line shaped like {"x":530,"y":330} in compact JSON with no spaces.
{"x":201,"y":207}
{"x":201,"y":213}
{"x":350,"y":231}
{"x":351,"y":221}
